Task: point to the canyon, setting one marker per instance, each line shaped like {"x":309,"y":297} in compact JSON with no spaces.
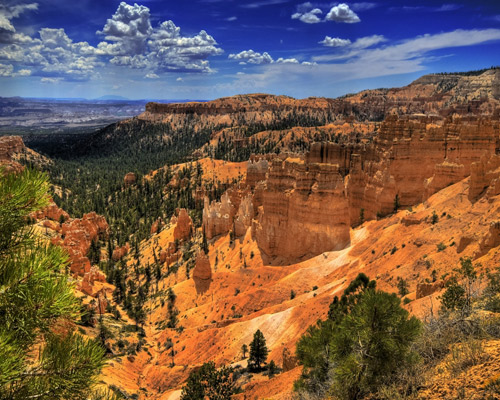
{"x":399,"y":184}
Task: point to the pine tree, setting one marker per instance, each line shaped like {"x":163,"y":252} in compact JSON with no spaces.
{"x":258,"y":351}
{"x":209,"y":383}
{"x":40,"y":356}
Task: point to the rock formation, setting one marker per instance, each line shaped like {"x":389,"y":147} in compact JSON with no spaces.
{"x":218,"y":216}
{"x":305,"y":210}
{"x":77,"y":236}
{"x":129,"y":179}
{"x":183,"y":225}
{"x":120,"y":252}
{"x":202,"y":269}
{"x":485,"y":177}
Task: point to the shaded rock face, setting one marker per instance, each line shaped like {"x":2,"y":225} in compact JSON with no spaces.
{"x":290,"y":361}
{"x":9,"y":146}
{"x":52,"y":212}
{"x":305,"y":210}
{"x":78,"y":235}
{"x":129,"y":179}
{"x":202,"y":269}
{"x":426,"y":289}
{"x":120,"y":252}
{"x":394,"y":164}
{"x":485,"y":177}
{"x":305,"y":206}
{"x":256,"y":171}
{"x":490,"y":240}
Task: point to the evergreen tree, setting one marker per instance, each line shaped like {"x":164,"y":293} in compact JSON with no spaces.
{"x":210,"y":383}
{"x":371,"y":344}
{"x":37,"y":360}
{"x":258,"y":351}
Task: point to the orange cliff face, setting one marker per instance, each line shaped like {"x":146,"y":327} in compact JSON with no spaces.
{"x":304,"y":210}
{"x":303,"y":206}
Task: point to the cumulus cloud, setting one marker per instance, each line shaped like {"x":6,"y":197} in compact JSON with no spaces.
{"x":287,"y":61}
{"x":132,"y":41}
{"x":129,"y":40}
{"x":53,"y":54}
{"x":361,"y":43}
{"x":335,"y":42}
{"x":8,"y":13}
{"x":309,"y":17}
{"x":8,"y":32}
{"x":151,"y":75}
{"x":342,"y":13}
{"x":252,"y":57}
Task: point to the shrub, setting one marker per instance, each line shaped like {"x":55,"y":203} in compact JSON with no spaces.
{"x":210,"y":383}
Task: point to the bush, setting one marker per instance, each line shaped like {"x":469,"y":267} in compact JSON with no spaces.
{"x":210,"y":383}
{"x":381,"y":346}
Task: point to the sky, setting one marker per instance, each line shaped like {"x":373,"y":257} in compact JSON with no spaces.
{"x":205,"y":49}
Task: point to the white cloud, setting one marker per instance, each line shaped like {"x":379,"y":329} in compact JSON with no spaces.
{"x":151,"y":75}
{"x":179,"y":79}
{"x":363,"y":6}
{"x":287,"y":61}
{"x":136,"y":44}
{"x":24,"y":72}
{"x":231,"y":19}
{"x":342,"y":13}
{"x":403,"y":57}
{"x":309,"y":17}
{"x":368,"y":41}
{"x":252,"y":57}
{"x":6,"y":69}
{"x":335,"y":42}
{"x":7,"y":14}
{"x":51,"y":80}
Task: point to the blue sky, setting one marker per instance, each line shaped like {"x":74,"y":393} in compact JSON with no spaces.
{"x":204,"y":49}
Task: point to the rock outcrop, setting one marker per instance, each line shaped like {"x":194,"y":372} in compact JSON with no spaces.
{"x":202,"y":269}
{"x":129,"y":179}
{"x":9,"y":146}
{"x":485,"y":177}
{"x":305,"y":210}
{"x":218,"y":216}
{"x":183,"y":225}
{"x":78,"y":235}
{"x":120,"y":252}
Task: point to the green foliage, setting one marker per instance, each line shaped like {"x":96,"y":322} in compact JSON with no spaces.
{"x":361,"y":216}
{"x":402,"y":286}
{"x":396,"y":203}
{"x":258,"y":351}
{"x":441,"y":246}
{"x":210,"y":383}
{"x":459,"y":291}
{"x":244,"y":350}
{"x":367,"y":337}
{"x":434,"y":218}
{"x":313,"y":352}
{"x":492,"y":291}
{"x":371,"y":344}
{"x":34,"y":297}
{"x":340,"y":308}
{"x":272,"y":369}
